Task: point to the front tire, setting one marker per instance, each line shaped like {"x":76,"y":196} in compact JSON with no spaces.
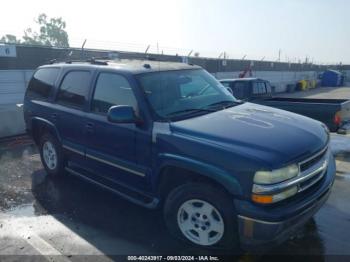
{"x":202,"y":215}
{"x":51,"y":155}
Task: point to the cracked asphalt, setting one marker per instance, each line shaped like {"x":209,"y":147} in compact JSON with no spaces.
{"x":67,"y":219}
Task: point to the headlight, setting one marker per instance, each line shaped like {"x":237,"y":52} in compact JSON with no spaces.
{"x":266,"y":182}
{"x":276,"y":176}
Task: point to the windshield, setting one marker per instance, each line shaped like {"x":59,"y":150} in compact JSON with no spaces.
{"x":184,"y":92}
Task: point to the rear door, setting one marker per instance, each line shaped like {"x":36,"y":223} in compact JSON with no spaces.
{"x":71,"y":101}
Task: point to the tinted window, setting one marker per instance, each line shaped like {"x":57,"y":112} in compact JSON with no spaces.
{"x":111,"y":90}
{"x":259,"y":88}
{"x":74,"y":89}
{"x":239,"y":89}
{"x":42,"y":82}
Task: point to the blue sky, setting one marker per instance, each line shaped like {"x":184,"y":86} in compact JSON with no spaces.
{"x":319,"y":29}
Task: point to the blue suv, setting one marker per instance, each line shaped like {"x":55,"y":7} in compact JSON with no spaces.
{"x":170,"y":136}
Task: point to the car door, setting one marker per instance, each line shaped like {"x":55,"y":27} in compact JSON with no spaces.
{"x":110,"y":147}
{"x":71,"y":99}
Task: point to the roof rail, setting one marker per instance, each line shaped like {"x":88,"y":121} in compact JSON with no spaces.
{"x":92,"y":60}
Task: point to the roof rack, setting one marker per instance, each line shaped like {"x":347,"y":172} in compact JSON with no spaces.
{"x":92,"y":60}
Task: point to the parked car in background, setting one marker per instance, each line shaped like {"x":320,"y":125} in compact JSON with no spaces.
{"x":335,"y":113}
{"x":170,"y":136}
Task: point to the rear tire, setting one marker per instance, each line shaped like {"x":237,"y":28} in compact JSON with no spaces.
{"x":51,"y":155}
{"x":202,"y":215}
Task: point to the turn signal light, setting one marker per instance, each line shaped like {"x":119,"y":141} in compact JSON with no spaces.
{"x":262,"y":199}
{"x":268,"y":199}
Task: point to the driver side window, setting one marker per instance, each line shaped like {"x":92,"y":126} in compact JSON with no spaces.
{"x":112,"y":89}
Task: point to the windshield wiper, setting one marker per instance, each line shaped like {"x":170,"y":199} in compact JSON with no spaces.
{"x":225,"y":104}
{"x":191,"y":110}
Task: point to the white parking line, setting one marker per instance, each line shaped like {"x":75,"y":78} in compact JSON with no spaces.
{"x":33,"y":230}
{"x":19,"y":228}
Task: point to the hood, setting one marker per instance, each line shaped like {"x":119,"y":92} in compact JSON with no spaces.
{"x":267,"y":134}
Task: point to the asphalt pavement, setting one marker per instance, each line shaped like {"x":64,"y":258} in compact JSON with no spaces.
{"x":70,"y":220}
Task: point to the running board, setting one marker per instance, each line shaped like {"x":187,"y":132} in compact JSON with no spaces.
{"x":151,"y":204}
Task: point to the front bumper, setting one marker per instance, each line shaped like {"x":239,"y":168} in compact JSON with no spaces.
{"x":262,"y":227}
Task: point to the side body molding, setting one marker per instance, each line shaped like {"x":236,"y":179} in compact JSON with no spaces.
{"x":221,"y":176}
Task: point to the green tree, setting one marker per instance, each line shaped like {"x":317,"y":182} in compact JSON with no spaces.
{"x":11,"y":39}
{"x":51,"y":32}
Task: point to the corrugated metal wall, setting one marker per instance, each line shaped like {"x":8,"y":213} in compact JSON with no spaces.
{"x":13,"y":84}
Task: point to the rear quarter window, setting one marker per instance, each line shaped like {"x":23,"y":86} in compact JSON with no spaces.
{"x":41,"y":84}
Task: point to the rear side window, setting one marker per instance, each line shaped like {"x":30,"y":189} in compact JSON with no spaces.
{"x":41,"y":84}
{"x":74,"y":89}
{"x":239,"y":89}
{"x":259,"y":88}
{"x":112,"y":89}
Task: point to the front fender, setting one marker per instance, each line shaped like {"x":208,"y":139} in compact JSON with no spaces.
{"x":222,"y":177}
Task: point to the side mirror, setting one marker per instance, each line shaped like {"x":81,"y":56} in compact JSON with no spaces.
{"x":121,"y":114}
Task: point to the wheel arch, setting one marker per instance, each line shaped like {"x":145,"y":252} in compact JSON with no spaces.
{"x":40,"y":126}
{"x":176,"y":170}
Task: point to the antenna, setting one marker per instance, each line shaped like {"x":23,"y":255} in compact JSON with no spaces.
{"x":279,"y":55}
{"x":82,"y":49}
{"x":190,"y":53}
{"x":147,"y":49}
{"x":244,"y":57}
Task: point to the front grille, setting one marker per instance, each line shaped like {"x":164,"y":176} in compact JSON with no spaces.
{"x":310,"y":166}
{"x":310,"y":182}
{"x":310,"y":162}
